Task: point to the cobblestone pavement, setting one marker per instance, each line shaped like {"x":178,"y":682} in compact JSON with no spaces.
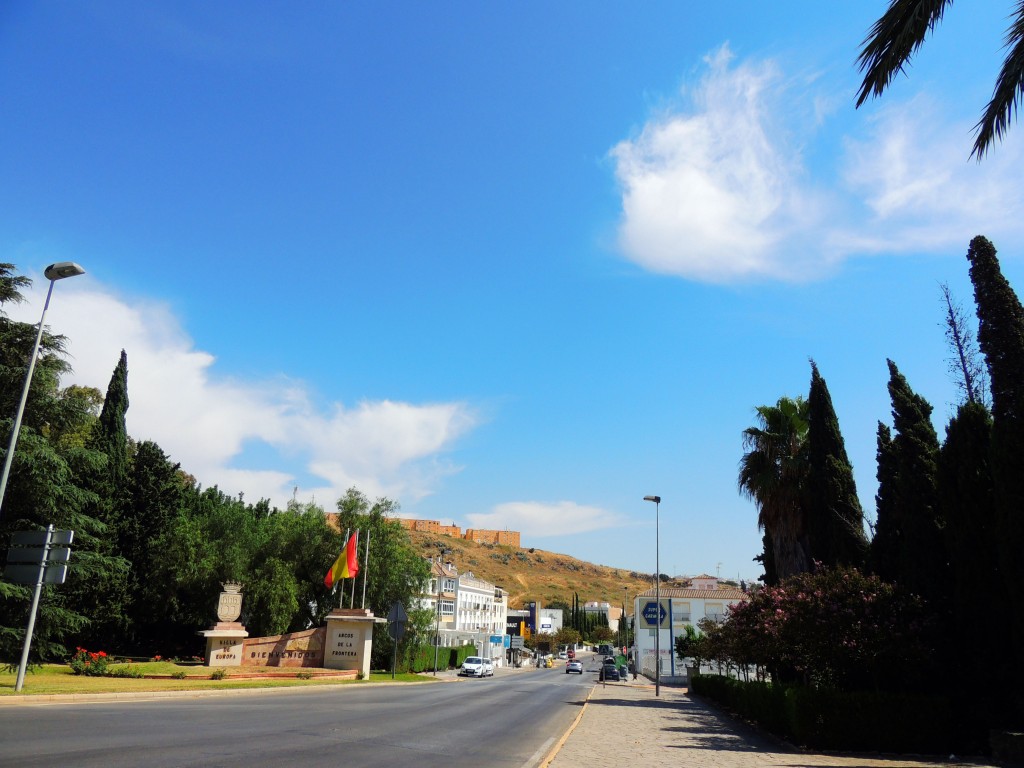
{"x":624,"y":724}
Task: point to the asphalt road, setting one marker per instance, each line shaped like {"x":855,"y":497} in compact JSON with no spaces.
{"x":512,"y":719}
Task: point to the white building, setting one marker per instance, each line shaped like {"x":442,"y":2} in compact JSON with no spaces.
{"x":704,"y":598}
{"x":472,"y":611}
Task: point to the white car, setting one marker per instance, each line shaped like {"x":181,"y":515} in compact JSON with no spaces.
{"x":475,"y":666}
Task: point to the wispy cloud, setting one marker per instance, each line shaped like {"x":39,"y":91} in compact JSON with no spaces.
{"x":718,"y":189}
{"x":205,"y":420}
{"x":910,"y":169}
{"x":713,"y":192}
{"x":537,"y":519}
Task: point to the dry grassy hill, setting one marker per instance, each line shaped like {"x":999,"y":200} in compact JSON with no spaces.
{"x":536,"y":574}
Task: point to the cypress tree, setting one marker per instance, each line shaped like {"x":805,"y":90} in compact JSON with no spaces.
{"x":106,"y":597}
{"x":886,"y":543}
{"x":1001,"y":338}
{"x":922,"y":562}
{"x":967,"y":503}
{"x":110,"y":433}
{"x":835,"y":520}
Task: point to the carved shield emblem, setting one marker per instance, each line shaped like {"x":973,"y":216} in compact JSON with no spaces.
{"x":229,"y":607}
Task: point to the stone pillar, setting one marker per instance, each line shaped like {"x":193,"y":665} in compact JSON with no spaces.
{"x":224,"y":639}
{"x":350,"y":640}
{"x":224,"y":644}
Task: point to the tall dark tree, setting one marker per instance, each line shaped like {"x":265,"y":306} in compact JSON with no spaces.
{"x":773,"y":473}
{"x":156,"y":496}
{"x":832,"y":512}
{"x":1001,"y":337}
{"x":110,"y":434}
{"x":887,"y":542}
{"x":968,"y":507}
{"x":901,"y":31}
{"x":923,"y":563}
{"x":105,"y":599}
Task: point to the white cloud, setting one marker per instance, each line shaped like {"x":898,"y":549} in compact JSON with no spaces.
{"x":719,"y":191}
{"x":920,"y":188}
{"x":204,"y":420}
{"x":536,"y":519}
{"x":713,"y":194}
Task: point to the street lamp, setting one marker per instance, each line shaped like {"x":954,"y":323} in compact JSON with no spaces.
{"x":657,"y":595}
{"x":53,"y":273}
{"x":437,"y":608}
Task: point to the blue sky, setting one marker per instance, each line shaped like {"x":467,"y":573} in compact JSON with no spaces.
{"x":513,"y":265}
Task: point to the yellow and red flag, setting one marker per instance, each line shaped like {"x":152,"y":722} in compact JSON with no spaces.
{"x":347,"y":564}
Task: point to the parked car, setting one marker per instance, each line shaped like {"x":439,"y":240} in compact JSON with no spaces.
{"x":608,"y":661}
{"x":574,"y":665}
{"x":563,"y":654}
{"x":474,"y":666}
{"x":609,"y":672}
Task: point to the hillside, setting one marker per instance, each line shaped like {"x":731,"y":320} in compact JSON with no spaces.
{"x":536,"y":574}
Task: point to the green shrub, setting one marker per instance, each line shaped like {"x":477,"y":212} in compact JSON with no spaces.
{"x":305,"y":675}
{"x":827,"y":719}
{"x":178,"y":674}
{"x":126,"y":671}
{"x":219,"y":674}
{"x":92,"y":663}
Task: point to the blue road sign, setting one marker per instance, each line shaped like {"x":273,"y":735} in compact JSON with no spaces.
{"x":654,"y":614}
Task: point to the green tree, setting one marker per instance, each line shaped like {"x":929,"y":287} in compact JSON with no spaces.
{"x":773,"y":473}
{"x":922,"y":560}
{"x":902,"y":30}
{"x":106,"y":596}
{"x":1001,"y":338}
{"x":157,"y":492}
{"x":887,"y":542}
{"x":967,"y":502}
{"x":44,"y":484}
{"x":833,"y":515}
{"x":396,"y":572}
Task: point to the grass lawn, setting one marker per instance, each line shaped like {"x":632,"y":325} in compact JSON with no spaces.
{"x":59,"y":679}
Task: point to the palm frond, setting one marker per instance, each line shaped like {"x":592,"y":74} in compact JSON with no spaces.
{"x":1009,"y":88}
{"x":893,"y":39}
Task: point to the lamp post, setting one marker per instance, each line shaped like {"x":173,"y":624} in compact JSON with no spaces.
{"x":657,"y":595}
{"x":53,"y":273}
{"x":437,"y":608}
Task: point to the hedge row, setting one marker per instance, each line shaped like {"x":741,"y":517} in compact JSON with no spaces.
{"x":858,"y":721}
{"x":422,"y":659}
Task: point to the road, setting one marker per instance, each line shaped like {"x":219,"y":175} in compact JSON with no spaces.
{"x":512,"y":719}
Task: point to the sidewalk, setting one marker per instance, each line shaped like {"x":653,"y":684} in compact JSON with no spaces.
{"x":624,"y":724}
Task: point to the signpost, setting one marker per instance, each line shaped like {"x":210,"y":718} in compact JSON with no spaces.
{"x":36,"y":558}
{"x":653,"y":613}
{"x":397,"y":617}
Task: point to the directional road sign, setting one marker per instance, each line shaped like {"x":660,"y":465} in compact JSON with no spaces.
{"x":654,"y":614}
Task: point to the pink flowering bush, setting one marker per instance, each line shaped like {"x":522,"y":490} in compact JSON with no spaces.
{"x":835,"y":628}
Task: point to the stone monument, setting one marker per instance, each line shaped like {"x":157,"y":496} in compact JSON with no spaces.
{"x":224,"y":639}
{"x":350,"y":640}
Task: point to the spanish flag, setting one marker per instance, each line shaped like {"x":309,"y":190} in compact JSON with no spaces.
{"x":347,"y":564}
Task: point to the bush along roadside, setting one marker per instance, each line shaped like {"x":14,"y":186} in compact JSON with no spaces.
{"x":836,"y":720}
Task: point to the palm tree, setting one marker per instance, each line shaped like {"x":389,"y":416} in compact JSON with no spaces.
{"x":896,"y":37}
{"x":773,"y":473}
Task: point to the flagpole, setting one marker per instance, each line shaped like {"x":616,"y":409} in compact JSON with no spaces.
{"x":366,"y":561}
{"x":352,"y":597}
{"x":341,"y":603}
